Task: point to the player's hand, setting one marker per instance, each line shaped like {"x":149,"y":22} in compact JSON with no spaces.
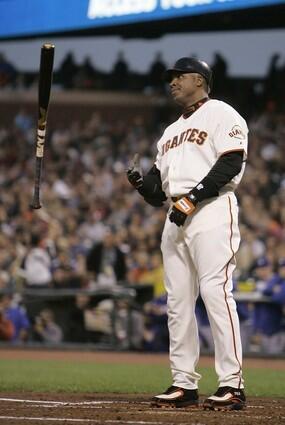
{"x":181,"y":209}
{"x":134,"y":172}
{"x":177,"y":217}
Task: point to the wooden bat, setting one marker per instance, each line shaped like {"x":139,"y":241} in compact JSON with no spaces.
{"x":45,"y":81}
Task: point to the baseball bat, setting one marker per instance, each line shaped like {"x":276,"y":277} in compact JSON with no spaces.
{"x":44,"y":88}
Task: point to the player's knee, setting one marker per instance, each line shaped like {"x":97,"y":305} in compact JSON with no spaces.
{"x":210,"y":290}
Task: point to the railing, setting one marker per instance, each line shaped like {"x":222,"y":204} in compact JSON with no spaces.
{"x":62,"y":301}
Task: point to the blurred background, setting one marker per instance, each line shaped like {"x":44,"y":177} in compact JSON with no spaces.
{"x":86,"y":268}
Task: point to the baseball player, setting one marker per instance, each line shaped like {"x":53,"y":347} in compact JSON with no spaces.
{"x":200,"y":161}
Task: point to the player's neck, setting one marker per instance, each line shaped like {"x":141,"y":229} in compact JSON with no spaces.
{"x":193,"y":106}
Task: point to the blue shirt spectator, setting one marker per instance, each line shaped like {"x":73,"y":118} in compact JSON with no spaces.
{"x":268,"y":315}
{"x":17,"y":315}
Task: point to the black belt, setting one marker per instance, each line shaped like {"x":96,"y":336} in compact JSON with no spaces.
{"x":176,"y":198}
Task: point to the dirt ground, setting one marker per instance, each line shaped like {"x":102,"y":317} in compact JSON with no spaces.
{"x":38,"y":409}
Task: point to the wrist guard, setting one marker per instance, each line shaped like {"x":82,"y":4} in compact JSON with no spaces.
{"x":187,"y":204}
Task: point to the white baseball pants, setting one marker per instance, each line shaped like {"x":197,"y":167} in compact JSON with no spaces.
{"x":200,"y":257}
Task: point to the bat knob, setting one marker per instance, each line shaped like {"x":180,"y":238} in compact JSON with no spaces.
{"x":35,"y":206}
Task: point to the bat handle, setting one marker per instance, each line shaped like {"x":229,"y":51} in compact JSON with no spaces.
{"x":35,"y":205}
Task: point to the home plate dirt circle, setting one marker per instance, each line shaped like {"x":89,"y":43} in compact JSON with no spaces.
{"x":24,"y":408}
{"x":126,"y":409}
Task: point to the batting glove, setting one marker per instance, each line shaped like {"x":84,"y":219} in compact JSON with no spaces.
{"x":134,"y":172}
{"x":182,"y":209}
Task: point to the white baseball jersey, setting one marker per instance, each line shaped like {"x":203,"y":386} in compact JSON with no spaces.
{"x":190,"y":146}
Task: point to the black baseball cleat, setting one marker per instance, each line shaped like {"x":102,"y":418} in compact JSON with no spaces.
{"x":226,"y":398}
{"x":175,"y":397}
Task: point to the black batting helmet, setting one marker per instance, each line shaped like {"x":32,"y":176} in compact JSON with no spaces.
{"x":190,"y":65}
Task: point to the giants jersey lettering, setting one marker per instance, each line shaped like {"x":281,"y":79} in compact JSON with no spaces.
{"x":190,"y":147}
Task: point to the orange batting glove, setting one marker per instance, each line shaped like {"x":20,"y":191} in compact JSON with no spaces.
{"x":182,"y":208}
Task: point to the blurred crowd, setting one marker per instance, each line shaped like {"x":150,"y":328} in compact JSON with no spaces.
{"x":94,"y":229}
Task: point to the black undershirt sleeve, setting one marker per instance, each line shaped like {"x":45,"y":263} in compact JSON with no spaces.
{"x":224,"y":170}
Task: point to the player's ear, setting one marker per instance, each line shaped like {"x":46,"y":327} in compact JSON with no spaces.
{"x":199,"y":80}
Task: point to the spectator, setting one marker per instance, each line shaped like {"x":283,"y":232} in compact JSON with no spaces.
{"x":85,"y":77}
{"x":220,"y":73}
{"x":154,"y":275}
{"x":67,"y":71}
{"x":129,"y":325}
{"x":267,"y":316}
{"x":272,"y":318}
{"x":7,"y":329}
{"x":24,"y":121}
{"x":273,"y":77}
{"x":46,"y":329}
{"x":38,"y":264}
{"x":156,"y":336}
{"x":140,"y":267}
{"x":69,"y":271}
{"x":251,"y":248}
{"x":281,"y":297}
{"x":16,"y":314}
{"x":77,"y":331}
{"x":8,"y":73}
{"x":120,"y":72}
{"x":262,"y":271}
{"x":109,"y":321}
{"x":107,"y":261}
{"x":98,"y":322}
{"x":92,"y":230}
{"x":156,"y":70}
{"x":278,"y":292}
{"x":244,"y":310}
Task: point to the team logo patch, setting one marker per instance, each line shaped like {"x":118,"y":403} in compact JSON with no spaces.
{"x":237,"y":132}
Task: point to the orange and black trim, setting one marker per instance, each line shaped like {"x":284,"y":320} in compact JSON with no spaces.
{"x":191,"y":109}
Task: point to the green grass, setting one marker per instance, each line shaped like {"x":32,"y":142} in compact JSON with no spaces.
{"x":58,"y":376}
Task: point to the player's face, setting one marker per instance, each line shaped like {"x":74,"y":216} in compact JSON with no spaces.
{"x":184,"y":86}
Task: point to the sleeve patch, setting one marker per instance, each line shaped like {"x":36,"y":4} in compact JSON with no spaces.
{"x":237,"y":133}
